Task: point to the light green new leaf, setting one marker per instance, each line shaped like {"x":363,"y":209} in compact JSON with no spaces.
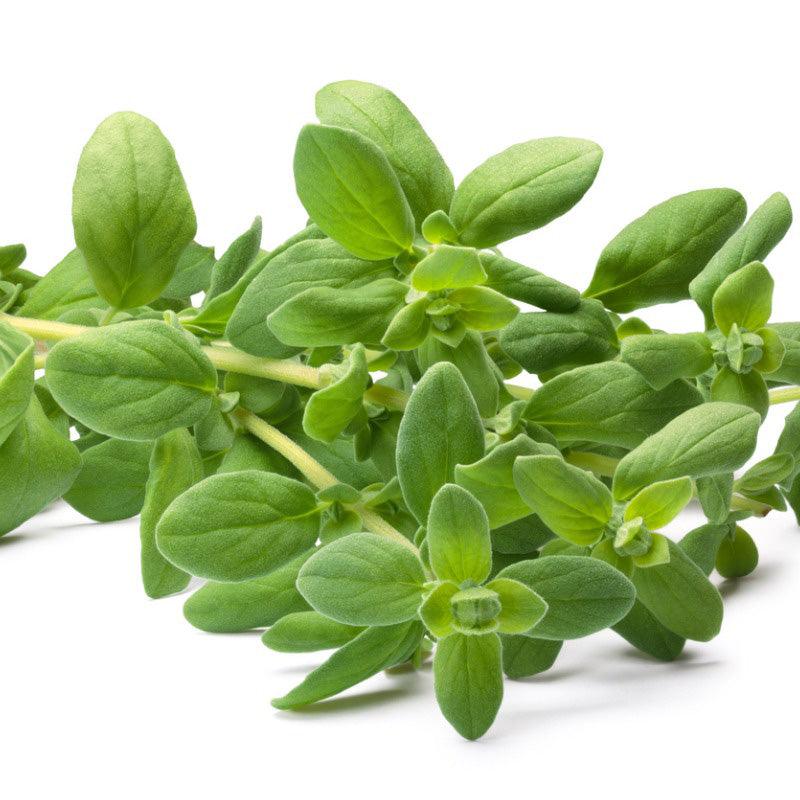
{"x":744,"y":298}
{"x":680,"y":596}
{"x":381,"y":116}
{"x":653,"y":259}
{"x":111,"y":483}
{"x":664,"y":357}
{"x":409,"y":326}
{"x":349,"y":189}
{"x":175,"y":465}
{"x":440,"y":428}
{"x":135,"y":380}
{"x":235,"y":607}
{"x":373,"y":650}
{"x":307,"y":632}
{"x":571,"y":502}
{"x":363,"y":579}
{"x":774,"y":351}
{"x":524,"y":657}
{"x":131,"y":210}
{"x":714,"y":494}
{"x":706,"y":440}
{"x":746,"y":389}
{"x":238,"y":525}
{"x":659,"y":503}
{"x":38,"y":465}
{"x":583,"y":595}
{"x":468,"y":681}
{"x":657,"y":555}
{"x":16,"y":377}
{"x":323,"y":316}
{"x":523,"y":188}
{"x":520,"y":607}
{"x":483,"y":309}
{"x":331,"y":409}
{"x":448,"y":267}
{"x":459,"y":545}
{"x":436,"y":611}
{"x":752,"y":242}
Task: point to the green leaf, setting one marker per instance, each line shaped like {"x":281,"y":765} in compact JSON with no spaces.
{"x":235,"y":607}
{"x":238,"y":525}
{"x":659,"y":503}
{"x":16,"y":377}
{"x":131,"y":210}
{"x":520,"y":607}
{"x":774,"y":351}
{"x":233,"y":263}
{"x":66,"y":287}
{"x":483,"y":309}
{"x":571,"y":502}
{"x":363,"y":579}
{"x":657,"y":555}
{"x":458,"y":539}
{"x":641,"y":629}
{"x":434,"y":436}
{"x":583,"y":595}
{"x":436,"y":611}
{"x":528,"y":285}
{"x":331,"y":409}
{"x":175,"y":465}
{"x":524,"y":657}
{"x":523,"y":188}
{"x":38,"y":465}
{"x":305,"y":264}
{"x":11,"y":256}
{"x":110,"y":485}
{"x":323,"y":316}
{"x":544,"y":341}
{"x":664,"y":357}
{"x":409,"y":326}
{"x":193,"y":272}
{"x":525,"y":536}
{"x":307,"y":632}
{"x":737,"y":556}
{"x":746,"y":389}
{"x":379,"y":115}
{"x":706,"y":440}
{"x":468,"y":681}
{"x":714,"y":493}
{"x":136,"y":380}
{"x":680,"y":596}
{"x":609,"y":403}
{"x":752,"y":242}
{"x":653,"y":259}
{"x":744,"y":298}
{"x":763,"y":474}
{"x":491,"y":479}
{"x":789,"y":442}
{"x":373,"y":650}
{"x":349,"y":189}
{"x":448,"y":267}
{"x":437,"y":228}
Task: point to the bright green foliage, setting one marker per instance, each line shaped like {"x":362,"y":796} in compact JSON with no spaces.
{"x":16,"y":378}
{"x":130,"y":209}
{"x":659,"y":503}
{"x":664,"y":357}
{"x":11,"y":256}
{"x":135,"y":380}
{"x":524,"y":657}
{"x":306,"y":632}
{"x":448,"y":267}
{"x":193,"y":273}
{"x":744,"y":299}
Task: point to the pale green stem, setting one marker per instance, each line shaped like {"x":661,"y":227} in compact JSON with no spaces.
{"x":786,"y":394}
{"x":313,"y":471}
{"x":38,"y":360}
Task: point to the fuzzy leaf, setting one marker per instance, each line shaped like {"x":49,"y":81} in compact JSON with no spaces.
{"x":307,"y":632}
{"x":16,"y":378}
{"x":664,"y":357}
{"x":744,"y":298}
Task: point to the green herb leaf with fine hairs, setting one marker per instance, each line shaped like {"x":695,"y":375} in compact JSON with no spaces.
{"x":363,"y":579}
{"x":238,"y":525}
{"x":662,"y":358}
{"x":448,"y":267}
{"x":524,"y":657}
{"x":763,"y":474}
{"x":11,"y":256}
{"x":16,"y":377}
{"x":131,"y":210}
{"x":714,"y":494}
{"x":746,"y":389}
{"x":136,"y":380}
{"x":659,"y":503}
{"x":641,"y":629}
{"x":482,"y":308}
{"x":193,"y":272}
{"x":520,"y":607}
{"x":744,"y":298}
{"x":307,"y":632}
{"x":737,"y":555}
{"x":233,"y":263}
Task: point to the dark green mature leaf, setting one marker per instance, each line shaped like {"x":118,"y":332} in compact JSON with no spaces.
{"x":711,"y":438}
{"x":16,"y":377}
{"x":307,"y":632}
{"x":38,"y":465}
{"x":468,"y":681}
{"x":714,"y":493}
{"x":746,"y":389}
{"x":609,"y":403}
{"x":130,"y":209}
{"x":738,"y":555}
{"x":752,"y":242}
{"x":303,"y":265}
{"x":653,"y":259}
{"x":583,"y":595}
{"x":234,"y":607}
{"x":383,"y":118}
{"x":370,"y":652}
{"x":523,"y":188}
{"x":543,"y":341}
{"x":136,"y":380}
{"x":441,"y":427}
{"x":349,"y":189}
{"x":664,"y":357}
{"x":238,"y":525}
{"x":111,"y":483}
{"x":524,"y":657}
{"x":175,"y":465}
{"x":528,"y":285}
{"x":641,"y":629}
{"x":66,"y":287}
{"x":363,"y":579}
{"x":323,"y":316}
{"x":680,"y":596}
{"x":523,"y":537}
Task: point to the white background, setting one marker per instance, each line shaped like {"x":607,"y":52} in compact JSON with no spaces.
{"x":104,"y":693}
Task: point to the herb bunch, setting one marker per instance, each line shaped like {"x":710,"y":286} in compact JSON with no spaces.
{"x":329,"y":434}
